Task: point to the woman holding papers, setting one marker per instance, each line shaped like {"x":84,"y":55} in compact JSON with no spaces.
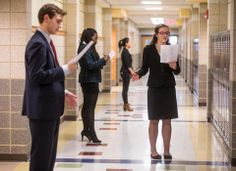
{"x":89,"y":78}
{"x":126,"y":70}
{"x":162,"y":103}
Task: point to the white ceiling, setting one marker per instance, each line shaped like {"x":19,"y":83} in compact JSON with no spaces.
{"x":137,"y":13}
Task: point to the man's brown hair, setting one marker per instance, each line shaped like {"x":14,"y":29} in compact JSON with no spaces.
{"x":51,"y":10}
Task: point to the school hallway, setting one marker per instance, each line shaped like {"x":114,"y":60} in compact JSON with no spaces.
{"x":203,"y":35}
{"x":195,"y":144}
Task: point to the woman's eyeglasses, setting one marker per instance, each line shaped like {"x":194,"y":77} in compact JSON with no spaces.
{"x":164,"y":33}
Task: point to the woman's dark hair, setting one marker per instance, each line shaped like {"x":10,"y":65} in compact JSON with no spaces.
{"x":51,"y":10}
{"x":156,"y":30}
{"x":123,"y":42}
{"x":86,"y":37}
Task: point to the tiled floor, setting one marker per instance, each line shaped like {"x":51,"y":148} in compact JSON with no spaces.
{"x":195,"y":144}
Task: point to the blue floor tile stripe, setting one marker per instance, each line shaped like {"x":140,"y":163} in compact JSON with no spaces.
{"x":126,"y":161}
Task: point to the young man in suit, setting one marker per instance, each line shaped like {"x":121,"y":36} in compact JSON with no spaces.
{"x":45,"y":93}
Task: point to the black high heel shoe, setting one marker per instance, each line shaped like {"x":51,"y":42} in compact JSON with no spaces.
{"x":86,"y":134}
{"x":94,"y":137}
{"x":95,"y":140}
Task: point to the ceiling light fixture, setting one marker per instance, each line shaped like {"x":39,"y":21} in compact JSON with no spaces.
{"x":153,"y":8}
{"x":157,"y":20}
{"x":151,"y":2}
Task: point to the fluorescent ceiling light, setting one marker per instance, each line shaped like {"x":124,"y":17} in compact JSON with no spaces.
{"x":153,"y":8}
{"x":151,"y":2}
{"x":157,"y":20}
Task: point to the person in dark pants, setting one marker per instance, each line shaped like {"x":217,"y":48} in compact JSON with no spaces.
{"x":126,"y":70}
{"x":162,"y":103}
{"x":45,"y":94}
{"x":89,"y":78}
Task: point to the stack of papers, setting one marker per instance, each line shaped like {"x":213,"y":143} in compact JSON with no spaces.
{"x":169,"y":53}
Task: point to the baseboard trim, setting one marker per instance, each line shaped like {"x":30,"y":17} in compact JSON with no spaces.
{"x":106,"y":91}
{"x":209,"y":119}
{"x":70,"y":117}
{"x":233,"y":162}
{"x":14,"y":157}
{"x":202,"y":104}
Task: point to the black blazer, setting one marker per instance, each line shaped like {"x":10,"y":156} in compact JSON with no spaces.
{"x":44,"y":84}
{"x":161,"y":75}
{"x":91,"y":66}
{"x":126,"y":59}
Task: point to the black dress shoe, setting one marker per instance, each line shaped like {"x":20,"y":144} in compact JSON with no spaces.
{"x":156,"y":157}
{"x":167,"y":156}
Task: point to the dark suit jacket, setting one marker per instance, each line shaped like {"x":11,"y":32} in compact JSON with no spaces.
{"x":160,"y":74}
{"x":44,"y":84}
{"x":126,"y":59}
{"x":91,"y":66}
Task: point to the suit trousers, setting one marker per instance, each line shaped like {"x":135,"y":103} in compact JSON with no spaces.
{"x":44,"y":134}
{"x":90,"y":94}
{"x":126,"y":80}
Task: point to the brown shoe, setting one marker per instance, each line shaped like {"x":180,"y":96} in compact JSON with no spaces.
{"x":127,"y":107}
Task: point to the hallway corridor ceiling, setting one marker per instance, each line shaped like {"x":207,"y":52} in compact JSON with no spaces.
{"x":138,"y":11}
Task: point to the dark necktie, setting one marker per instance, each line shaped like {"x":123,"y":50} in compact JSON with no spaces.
{"x":54,"y":51}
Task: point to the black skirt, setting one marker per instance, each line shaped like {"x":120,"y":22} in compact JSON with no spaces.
{"x":162,"y":103}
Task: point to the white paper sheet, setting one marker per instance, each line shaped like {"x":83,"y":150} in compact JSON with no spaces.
{"x":77,"y":58}
{"x":112,"y":53}
{"x":169,"y":53}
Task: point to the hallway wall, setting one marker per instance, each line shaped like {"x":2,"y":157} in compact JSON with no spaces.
{"x":19,"y":22}
{"x":15,"y":30}
{"x":133,"y":33}
{"x":215,"y":76}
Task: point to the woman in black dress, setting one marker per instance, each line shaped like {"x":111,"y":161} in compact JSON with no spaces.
{"x":126,"y":70}
{"x":162,"y":103}
{"x":89,"y":78}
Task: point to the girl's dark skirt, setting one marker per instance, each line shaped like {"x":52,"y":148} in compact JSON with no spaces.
{"x":162,"y":103}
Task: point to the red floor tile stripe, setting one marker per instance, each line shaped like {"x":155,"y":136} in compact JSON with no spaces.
{"x":108,"y":129}
{"x":124,"y":115}
{"x":111,"y":123}
{"x":111,"y":112}
{"x":94,"y":144}
{"x":90,"y":153}
{"x":118,"y":169}
{"x":136,"y":117}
